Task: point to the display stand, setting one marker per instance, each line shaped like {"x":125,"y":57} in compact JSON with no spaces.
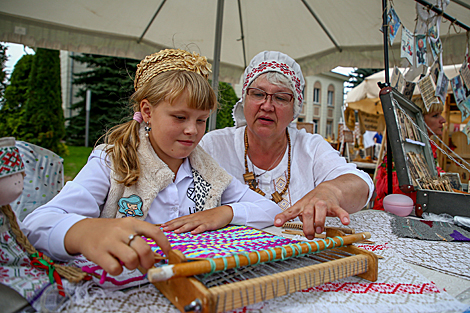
{"x":414,"y":162}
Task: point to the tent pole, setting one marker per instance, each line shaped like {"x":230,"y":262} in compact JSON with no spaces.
{"x":242,"y":33}
{"x":315,"y":16}
{"x":216,"y":60}
{"x":151,"y":21}
{"x":87,"y":115}
{"x":387,"y":83}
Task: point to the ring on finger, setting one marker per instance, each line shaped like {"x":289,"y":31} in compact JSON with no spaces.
{"x":131,"y":237}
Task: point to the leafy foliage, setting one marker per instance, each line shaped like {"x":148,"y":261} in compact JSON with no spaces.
{"x":227,"y":99}
{"x":32,"y":109}
{"x":42,"y":120}
{"x":110,"y":80}
{"x":15,"y":98}
{"x":111,"y":83}
{"x":359,"y":74}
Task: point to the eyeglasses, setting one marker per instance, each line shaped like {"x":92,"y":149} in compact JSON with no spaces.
{"x":279,"y":98}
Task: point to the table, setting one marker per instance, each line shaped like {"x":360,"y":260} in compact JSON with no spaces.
{"x":447,"y":264}
{"x":399,"y":288}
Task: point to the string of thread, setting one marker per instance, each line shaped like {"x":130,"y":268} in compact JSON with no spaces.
{"x":72,"y":274}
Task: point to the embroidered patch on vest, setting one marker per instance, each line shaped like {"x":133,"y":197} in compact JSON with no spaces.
{"x":200,"y":191}
{"x":131,"y":206}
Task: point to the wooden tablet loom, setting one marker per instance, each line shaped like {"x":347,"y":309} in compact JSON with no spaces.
{"x":221,"y":281}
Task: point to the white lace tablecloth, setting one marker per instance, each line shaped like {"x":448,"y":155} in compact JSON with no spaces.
{"x":452,"y":258}
{"x":399,"y":288}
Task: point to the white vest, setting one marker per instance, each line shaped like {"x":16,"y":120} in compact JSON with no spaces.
{"x":210,"y":180}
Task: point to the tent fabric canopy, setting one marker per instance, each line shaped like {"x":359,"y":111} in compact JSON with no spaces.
{"x":319,"y":34}
{"x":365,"y":96}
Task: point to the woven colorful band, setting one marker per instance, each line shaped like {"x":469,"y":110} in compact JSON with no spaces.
{"x":11,"y":162}
{"x":227,"y":241}
{"x":278,"y":67}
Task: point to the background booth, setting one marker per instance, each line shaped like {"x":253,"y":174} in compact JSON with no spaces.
{"x":364,"y":98}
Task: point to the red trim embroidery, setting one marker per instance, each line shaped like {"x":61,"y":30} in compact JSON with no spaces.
{"x":383,"y":288}
{"x":374,"y":247}
{"x":284,"y":68}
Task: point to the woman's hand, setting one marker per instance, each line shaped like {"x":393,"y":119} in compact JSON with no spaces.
{"x":106,"y":242}
{"x":335,"y":198}
{"x":202,"y":221}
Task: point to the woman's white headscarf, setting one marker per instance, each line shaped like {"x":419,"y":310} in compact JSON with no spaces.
{"x":271,"y":61}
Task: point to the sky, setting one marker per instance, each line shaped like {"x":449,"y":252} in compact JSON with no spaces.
{"x":14,"y":53}
{"x":343,"y":70}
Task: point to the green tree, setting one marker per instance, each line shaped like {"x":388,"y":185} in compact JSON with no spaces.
{"x":42,"y":121}
{"x":359,"y":74}
{"x":16,"y":94}
{"x":110,"y":80}
{"x":227,"y":99}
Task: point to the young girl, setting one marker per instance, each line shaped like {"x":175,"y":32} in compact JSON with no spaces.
{"x":150,"y":171}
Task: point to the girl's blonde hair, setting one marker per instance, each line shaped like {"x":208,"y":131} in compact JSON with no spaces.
{"x":435,"y":107}
{"x":123,"y":140}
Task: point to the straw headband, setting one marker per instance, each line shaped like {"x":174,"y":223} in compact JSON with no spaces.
{"x":168,"y":60}
{"x":10,"y":159}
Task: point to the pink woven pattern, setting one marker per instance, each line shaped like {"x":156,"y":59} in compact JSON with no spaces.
{"x":223,"y":242}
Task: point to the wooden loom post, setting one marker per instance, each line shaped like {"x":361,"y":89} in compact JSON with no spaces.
{"x":183,"y":290}
{"x":185,"y":269}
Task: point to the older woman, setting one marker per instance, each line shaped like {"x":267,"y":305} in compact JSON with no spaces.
{"x":301,"y":172}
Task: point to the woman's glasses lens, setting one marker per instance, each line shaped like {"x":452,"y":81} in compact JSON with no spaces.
{"x":280,"y":98}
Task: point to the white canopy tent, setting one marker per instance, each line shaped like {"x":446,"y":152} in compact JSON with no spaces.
{"x":365,"y":96}
{"x":319,"y":34}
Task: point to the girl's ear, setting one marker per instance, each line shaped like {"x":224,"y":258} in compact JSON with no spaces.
{"x":145,"y":109}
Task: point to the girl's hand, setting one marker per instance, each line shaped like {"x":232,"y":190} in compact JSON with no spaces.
{"x":106,"y":242}
{"x":202,"y":221}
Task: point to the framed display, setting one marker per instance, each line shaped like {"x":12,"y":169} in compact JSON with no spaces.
{"x":413,"y":159}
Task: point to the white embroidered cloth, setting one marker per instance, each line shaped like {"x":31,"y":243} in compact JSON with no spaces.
{"x":399,"y":288}
{"x":452,"y":258}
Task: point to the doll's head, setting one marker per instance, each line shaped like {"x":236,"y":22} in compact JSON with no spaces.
{"x":11,"y":171}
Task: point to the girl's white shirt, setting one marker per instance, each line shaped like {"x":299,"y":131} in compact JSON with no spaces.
{"x":84,"y":196}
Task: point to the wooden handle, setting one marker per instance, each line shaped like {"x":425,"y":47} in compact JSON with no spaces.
{"x":206,"y":266}
{"x":301,"y":233}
